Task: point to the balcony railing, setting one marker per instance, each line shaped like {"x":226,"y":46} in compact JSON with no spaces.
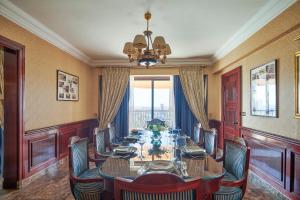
{"x":139,"y":118}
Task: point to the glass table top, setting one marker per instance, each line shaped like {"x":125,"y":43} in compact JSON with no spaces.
{"x":159,"y":154}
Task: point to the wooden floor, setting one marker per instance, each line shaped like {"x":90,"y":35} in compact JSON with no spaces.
{"x":54,"y":184}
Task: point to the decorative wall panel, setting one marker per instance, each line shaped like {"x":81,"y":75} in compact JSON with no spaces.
{"x":46,"y":146}
{"x":276,"y":159}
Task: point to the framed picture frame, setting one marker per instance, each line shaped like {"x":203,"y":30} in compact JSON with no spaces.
{"x":263,"y":90}
{"x":297,"y":84}
{"x":67,"y":86}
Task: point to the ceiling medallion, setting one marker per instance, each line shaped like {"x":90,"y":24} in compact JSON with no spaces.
{"x":140,"y":51}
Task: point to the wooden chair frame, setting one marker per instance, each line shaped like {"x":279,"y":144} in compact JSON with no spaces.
{"x":157,"y":183}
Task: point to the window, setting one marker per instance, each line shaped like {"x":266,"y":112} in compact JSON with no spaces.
{"x":151,"y":97}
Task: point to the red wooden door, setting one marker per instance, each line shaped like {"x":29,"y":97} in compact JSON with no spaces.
{"x":231,"y":103}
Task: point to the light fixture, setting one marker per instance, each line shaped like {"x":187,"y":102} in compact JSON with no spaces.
{"x":139,"y":50}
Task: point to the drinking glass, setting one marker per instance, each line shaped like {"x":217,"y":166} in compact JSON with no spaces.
{"x":141,"y":141}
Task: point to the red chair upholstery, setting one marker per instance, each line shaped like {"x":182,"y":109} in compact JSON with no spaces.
{"x":157,"y":186}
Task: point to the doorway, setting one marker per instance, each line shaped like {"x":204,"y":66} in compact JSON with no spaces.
{"x":13,"y":67}
{"x":231,"y":103}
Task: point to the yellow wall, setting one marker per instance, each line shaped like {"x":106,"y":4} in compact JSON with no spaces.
{"x":274,"y":41}
{"x":41,"y":62}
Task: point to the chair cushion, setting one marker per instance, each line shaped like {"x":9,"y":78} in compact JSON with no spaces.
{"x":228,"y":193}
{"x":186,"y":195}
{"x":83,"y":191}
{"x":235,"y":159}
{"x":229,"y":177}
{"x":90,"y":173}
{"x":79,"y":157}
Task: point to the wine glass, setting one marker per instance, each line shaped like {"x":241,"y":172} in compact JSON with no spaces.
{"x":141,"y":141}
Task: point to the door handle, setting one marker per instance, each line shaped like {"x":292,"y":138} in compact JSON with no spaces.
{"x":235,"y":123}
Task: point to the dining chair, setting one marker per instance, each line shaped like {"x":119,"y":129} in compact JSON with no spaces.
{"x":157,"y":186}
{"x":85,"y":182}
{"x":100,"y":143}
{"x":198,"y":136}
{"x":113,"y":139}
{"x":210,"y":141}
{"x":236,"y":162}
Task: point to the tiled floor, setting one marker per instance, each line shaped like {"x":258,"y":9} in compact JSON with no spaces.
{"x":54,"y":184}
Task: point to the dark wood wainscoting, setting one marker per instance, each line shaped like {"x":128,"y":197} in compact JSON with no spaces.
{"x":45,"y":146}
{"x":213,"y":123}
{"x":276,"y":159}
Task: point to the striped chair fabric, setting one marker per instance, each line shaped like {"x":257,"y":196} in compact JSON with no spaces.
{"x":235,"y":160}
{"x":100,"y":141}
{"x":185,"y":195}
{"x":79,"y":158}
{"x":198,"y":138}
{"x":234,"y":164}
{"x":209,"y":141}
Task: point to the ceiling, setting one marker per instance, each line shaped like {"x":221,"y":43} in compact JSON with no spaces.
{"x":98,"y":29}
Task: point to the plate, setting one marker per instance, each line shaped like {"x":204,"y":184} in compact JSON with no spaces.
{"x":124,"y":150}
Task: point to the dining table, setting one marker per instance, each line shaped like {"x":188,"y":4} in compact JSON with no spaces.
{"x":158,"y":153}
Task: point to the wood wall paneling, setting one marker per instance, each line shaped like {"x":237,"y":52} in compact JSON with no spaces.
{"x":45,"y":146}
{"x":41,"y":150}
{"x":276,"y":159}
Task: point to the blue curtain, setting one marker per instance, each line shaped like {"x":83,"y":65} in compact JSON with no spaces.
{"x":184,"y":118}
{"x":121,"y":122}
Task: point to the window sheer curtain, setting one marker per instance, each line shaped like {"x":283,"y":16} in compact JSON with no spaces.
{"x":193,"y":87}
{"x":114,"y":81}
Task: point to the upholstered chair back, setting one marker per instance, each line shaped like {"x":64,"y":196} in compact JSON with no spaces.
{"x":210,"y":141}
{"x":157,"y":186}
{"x":79,"y":155}
{"x":235,"y":158}
{"x":112,"y":133}
{"x":100,"y":140}
{"x":197,"y":137}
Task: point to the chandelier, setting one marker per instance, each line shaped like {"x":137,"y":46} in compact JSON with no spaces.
{"x":140,"y":51}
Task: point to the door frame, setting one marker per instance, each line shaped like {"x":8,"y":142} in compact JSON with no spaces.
{"x":239,"y":71}
{"x":17,"y":145}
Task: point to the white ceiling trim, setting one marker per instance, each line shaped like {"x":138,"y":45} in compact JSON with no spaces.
{"x":170,"y":62}
{"x":259,"y":20}
{"x":263,"y":16}
{"x":18,"y":16}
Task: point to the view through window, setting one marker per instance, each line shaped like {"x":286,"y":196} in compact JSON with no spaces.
{"x":151,"y":97}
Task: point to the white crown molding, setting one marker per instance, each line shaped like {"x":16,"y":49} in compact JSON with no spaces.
{"x":18,"y":16}
{"x":271,"y":10}
{"x":170,"y":62}
{"x":262,"y":17}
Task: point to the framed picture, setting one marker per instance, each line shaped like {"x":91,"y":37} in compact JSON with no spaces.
{"x":263,"y":81}
{"x":297,"y":84}
{"x":67,"y":87}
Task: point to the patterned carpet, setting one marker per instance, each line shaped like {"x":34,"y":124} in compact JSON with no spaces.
{"x":54,"y":184}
